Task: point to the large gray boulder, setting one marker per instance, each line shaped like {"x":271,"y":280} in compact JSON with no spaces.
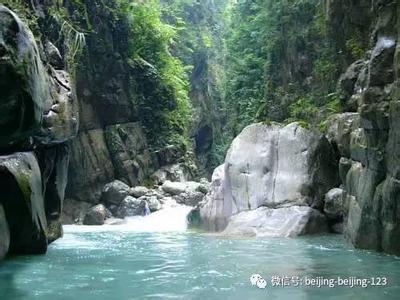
{"x":272,"y":166}
{"x":23,"y":202}
{"x":130,"y":207}
{"x":280,"y":222}
{"x":115,"y":192}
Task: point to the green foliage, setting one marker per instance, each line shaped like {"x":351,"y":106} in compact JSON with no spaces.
{"x":280,"y":63}
{"x":355,"y":47}
{"x":165,"y":110}
{"x":303,"y":109}
{"x":22,"y":9}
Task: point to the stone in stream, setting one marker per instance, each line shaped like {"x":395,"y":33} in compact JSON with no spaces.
{"x":96,"y":215}
{"x":115,"y":192}
{"x":130,"y":207}
{"x":287,"y":166}
{"x":152,"y":202}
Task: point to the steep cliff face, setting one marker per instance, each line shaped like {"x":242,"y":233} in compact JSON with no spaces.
{"x":38,"y":117}
{"x":201,"y":46}
{"x":120,"y":122}
{"x":372,"y":178}
{"x":120,"y":99}
{"x":108,"y":106}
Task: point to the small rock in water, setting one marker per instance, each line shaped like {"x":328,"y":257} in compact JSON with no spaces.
{"x":96,"y":215}
{"x":132,"y":207}
{"x":152,"y":202}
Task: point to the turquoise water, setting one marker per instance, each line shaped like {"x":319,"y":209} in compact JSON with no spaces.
{"x":118,"y":264}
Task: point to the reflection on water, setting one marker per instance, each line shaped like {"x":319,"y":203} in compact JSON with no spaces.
{"x":154,"y":257}
{"x":122,"y":264}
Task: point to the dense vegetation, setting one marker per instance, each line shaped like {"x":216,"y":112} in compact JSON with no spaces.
{"x":205,"y":69}
{"x":200,"y":46}
{"x":282,"y":62}
{"x":169,"y":111}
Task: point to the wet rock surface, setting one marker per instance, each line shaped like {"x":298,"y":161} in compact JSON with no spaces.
{"x":115,"y":192}
{"x":96,"y":215}
{"x":281,"y":222}
{"x":4,"y":233}
{"x":23,"y":202}
{"x":130,"y":207}
{"x":38,"y":117}
{"x":370,"y":174}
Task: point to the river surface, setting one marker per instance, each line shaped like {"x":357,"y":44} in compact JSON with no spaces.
{"x":159,"y":259}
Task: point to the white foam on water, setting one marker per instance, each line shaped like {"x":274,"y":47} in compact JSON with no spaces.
{"x":171,"y":218}
{"x":72,"y":241}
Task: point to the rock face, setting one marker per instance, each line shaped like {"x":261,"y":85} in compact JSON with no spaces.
{"x":38,"y":117}
{"x":4,"y":233}
{"x":23,"y":84}
{"x":286,"y":167}
{"x":369,"y":170}
{"x":115,"y":92}
{"x":334,"y":206}
{"x":23,"y":202}
{"x":74,"y":211}
{"x":340,"y":128}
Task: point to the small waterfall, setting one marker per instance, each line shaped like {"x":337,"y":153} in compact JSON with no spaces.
{"x":171,"y":218}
